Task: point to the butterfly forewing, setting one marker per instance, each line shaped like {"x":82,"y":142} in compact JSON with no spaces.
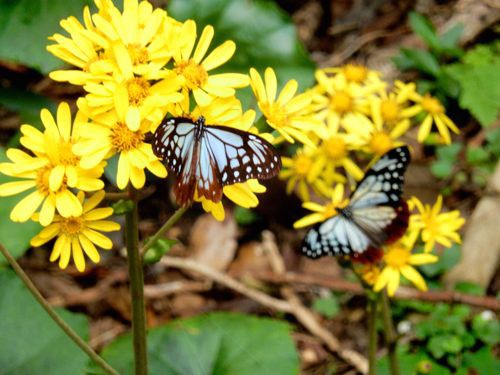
{"x":371,"y":211}
{"x":206,"y":158}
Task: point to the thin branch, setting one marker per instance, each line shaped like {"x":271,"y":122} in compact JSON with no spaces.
{"x":56,"y":318}
{"x":168,"y":224}
{"x":391,"y":339}
{"x":403,"y":293}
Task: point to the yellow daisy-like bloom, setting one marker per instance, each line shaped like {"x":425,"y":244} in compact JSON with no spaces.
{"x":107,"y":135}
{"x":302,"y":172}
{"x":434,"y":113}
{"x":139,"y":32}
{"x":435,"y":226}
{"x":79,"y":235}
{"x":377,"y":139}
{"x":193,"y":67}
{"x":323,"y":212}
{"x":334,"y":152}
{"x":370,"y":273}
{"x":290,"y":115}
{"x":53,"y":171}
{"x":358,"y":74}
{"x":336,"y":97}
{"x":398,"y":261}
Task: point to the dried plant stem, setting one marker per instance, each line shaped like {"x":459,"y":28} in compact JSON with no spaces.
{"x":56,"y":318}
{"x":391,"y":339}
{"x":168,"y":224}
{"x":136,"y":288}
{"x":372,"y":334}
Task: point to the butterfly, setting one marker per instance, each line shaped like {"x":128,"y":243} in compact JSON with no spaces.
{"x":370,"y":215}
{"x":205,"y":158}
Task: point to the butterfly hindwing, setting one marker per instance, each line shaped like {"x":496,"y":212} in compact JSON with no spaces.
{"x":371,"y":210}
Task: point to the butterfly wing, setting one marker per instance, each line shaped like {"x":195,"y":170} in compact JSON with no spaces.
{"x":373,"y":207}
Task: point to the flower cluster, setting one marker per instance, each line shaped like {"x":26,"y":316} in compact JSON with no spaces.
{"x":136,"y":67}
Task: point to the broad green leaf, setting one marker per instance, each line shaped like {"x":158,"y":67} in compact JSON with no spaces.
{"x":31,"y":343}
{"x":493,"y":138}
{"x":476,"y":155}
{"x":218,"y":343}
{"x":245,"y":216}
{"x":442,"y":168}
{"x":486,"y":329}
{"x":327,"y":306}
{"x":264,"y":34}
{"x":481,"y":362}
{"x":424,"y":28}
{"x":14,"y":236}
{"x":411,"y":363}
{"x":25,"y":26}
{"x":446,"y":261}
{"x":449,"y":39}
{"x":439,"y":345}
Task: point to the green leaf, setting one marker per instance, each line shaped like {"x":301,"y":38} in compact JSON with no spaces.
{"x":442,"y":344}
{"x":479,"y":79}
{"x":25,"y":26}
{"x":442,"y":168}
{"x":218,"y":343}
{"x":424,"y":28}
{"x":486,"y":329}
{"x":31,"y":343}
{"x":15,"y":237}
{"x":468,"y":287}
{"x":245,"y":216}
{"x":122,"y":206}
{"x":476,"y":155}
{"x":411,"y":363}
{"x":493,"y":138}
{"x":483,"y":362}
{"x":159,"y":249}
{"x":423,"y":60}
{"x":449,"y":152}
{"x":327,"y":306}
{"x":449,"y":39}
{"x":264,"y":34}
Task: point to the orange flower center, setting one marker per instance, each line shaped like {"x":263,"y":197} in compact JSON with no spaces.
{"x":124,"y":139}
{"x":397,"y":256}
{"x":432,"y":105}
{"x":303,"y":164}
{"x":138,"y":53}
{"x":66,"y":156}
{"x":42,"y":181}
{"x":138,"y":90}
{"x":335,"y":148}
{"x":389,"y":109}
{"x":195,"y":75}
{"x":355,"y":73}
{"x":341,"y":102}
{"x":72,"y":226}
{"x":380,"y":143}
{"x":330,"y":210}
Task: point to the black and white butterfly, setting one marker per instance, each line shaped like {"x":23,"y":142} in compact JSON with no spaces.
{"x":373,"y":207}
{"x":205,"y":158}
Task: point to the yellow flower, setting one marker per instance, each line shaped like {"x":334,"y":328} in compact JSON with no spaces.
{"x":370,"y":273}
{"x":107,"y":135}
{"x":53,"y":171}
{"x":434,"y":113}
{"x":323,"y":212}
{"x":358,"y":74}
{"x":336,"y":97}
{"x":435,"y":226}
{"x":139,"y":32}
{"x":376,"y":138}
{"x":193,"y":67}
{"x":302,"y":172}
{"x":290,"y":115}
{"x":398,"y":261}
{"x":78,"y":235}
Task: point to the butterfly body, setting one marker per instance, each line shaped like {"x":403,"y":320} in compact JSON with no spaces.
{"x":205,"y":158}
{"x":373,"y":207}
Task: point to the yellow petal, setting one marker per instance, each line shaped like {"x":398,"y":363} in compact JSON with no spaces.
{"x":16,"y":187}
{"x":56,"y":177}
{"x":103,"y":225}
{"x":98,"y":238}
{"x":133,"y":118}
{"x":123,"y":173}
{"x":89,"y":249}
{"x":26,"y":207}
{"x":412,"y":275}
{"x":78,"y":254}
{"x":48,"y":210}
{"x":67,"y":204}
{"x":271,"y":84}
{"x":219,"y":55}
{"x":64,"y":120}
{"x":60,"y":245}
{"x":203,"y":43}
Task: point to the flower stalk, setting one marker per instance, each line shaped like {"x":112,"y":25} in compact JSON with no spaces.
{"x":391,"y":339}
{"x":136,"y":275}
{"x":56,"y":318}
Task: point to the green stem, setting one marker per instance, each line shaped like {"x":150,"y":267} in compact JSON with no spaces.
{"x":56,"y":318}
{"x":169,"y":223}
{"x":136,"y":288}
{"x":372,"y":334}
{"x":390,"y":335}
